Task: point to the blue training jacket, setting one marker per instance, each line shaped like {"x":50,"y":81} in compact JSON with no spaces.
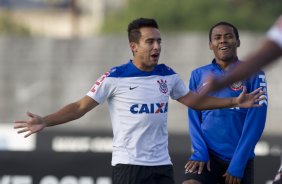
{"x":231,"y":133}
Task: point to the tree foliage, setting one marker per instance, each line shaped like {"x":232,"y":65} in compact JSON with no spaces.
{"x":197,"y":15}
{"x":9,"y":26}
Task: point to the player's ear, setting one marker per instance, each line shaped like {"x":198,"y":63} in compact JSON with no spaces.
{"x":133,"y":46}
{"x":238,"y":43}
{"x":210,"y":45}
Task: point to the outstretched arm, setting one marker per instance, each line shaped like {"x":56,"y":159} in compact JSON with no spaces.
{"x":264,"y":55}
{"x":244,"y":100}
{"x":67,"y":113}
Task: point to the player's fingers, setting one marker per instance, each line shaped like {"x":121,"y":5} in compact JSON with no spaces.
{"x":190,"y":166}
{"x":244,"y":90}
{"x":19,"y":126}
{"x":227,"y":179}
{"x":19,"y":121}
{"x":256,"y":105}
{"x":28,"y":134}
{"x":243,"y":93}
{"x":187,"y":164}
{"x":209,"y":166}
{"x":260,"y":94}
{"x":260,"y":98}
{"x":256,"y":91}
{"x":23,"y":130}
{"x":231,"y":179}
{"x":201,"y":167}
{"x":30,"y":114}
{"x":194,"y":167}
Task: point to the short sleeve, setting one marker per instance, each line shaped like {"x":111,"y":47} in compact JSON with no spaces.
{"x":179,"y":89}
{"x":103,"y":88}
{"x":275,"y":32}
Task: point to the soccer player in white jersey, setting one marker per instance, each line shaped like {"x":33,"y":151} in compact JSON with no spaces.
{"x":137,"y":94}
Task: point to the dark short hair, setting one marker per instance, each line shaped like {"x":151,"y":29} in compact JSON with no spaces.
{"x":235,"y":30}
{"x":133,"y":29}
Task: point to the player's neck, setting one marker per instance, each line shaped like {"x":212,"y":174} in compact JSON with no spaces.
{"x":224,"y":65}
{"x":143,"y":67}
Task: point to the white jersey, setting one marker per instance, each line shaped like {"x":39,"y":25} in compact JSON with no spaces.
{"x":275,"y":32}
{"x":138,"y":105}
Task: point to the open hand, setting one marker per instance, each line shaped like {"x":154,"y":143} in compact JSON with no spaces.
{"x":31,"y":126}
{"x":231,"y":179}
{"x":247,"y":100}
{"x":195,"y":166}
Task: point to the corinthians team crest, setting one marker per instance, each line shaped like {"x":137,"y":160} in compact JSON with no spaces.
{"x":237,"y":86}
{"x":163,"y":87}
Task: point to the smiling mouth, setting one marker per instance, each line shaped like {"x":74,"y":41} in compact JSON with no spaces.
{"x":223,"y":48}
{"x":155,"y":56}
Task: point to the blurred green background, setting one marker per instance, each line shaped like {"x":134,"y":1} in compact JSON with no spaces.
{"x":173,"y":15}
{"x":197,"y":15}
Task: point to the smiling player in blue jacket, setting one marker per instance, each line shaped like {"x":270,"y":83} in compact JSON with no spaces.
{"x":223,"y":140}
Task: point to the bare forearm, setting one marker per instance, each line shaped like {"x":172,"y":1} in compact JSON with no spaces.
{"x":215,"y":103}
{"x":265,"y":55}
{"x":68,"y":113}
{"x":207,"y":102}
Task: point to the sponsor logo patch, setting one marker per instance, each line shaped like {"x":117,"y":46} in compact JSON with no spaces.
{"x":153,"y":108}
{"x":163,"y":86}
{"x":236,"y":86}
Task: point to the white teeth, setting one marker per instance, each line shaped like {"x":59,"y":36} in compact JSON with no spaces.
{"x":223,"y":48}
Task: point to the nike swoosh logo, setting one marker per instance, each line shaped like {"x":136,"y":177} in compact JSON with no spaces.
{"x":131,"y":88}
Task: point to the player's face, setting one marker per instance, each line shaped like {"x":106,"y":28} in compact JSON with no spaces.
{"x":147,"y":51}
{"x":224,"y":44}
